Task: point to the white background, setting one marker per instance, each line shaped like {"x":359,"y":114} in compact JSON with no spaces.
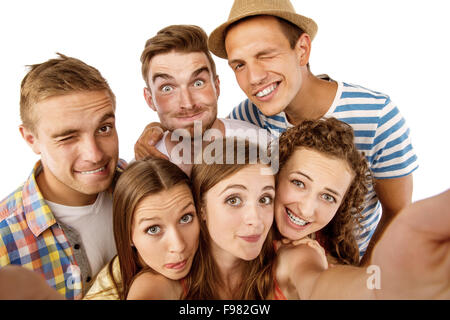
{"x":397,"y":47}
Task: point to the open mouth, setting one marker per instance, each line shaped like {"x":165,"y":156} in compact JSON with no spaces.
{"x":296,"y":220}
{"x":268,"y":90}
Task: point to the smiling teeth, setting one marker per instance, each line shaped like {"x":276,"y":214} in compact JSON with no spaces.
{"x":266,"y":91}
{"x":93,"y":171}
{"x":295,"y":219}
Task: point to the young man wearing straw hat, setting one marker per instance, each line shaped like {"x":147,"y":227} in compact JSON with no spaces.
{"x":267,"y":45}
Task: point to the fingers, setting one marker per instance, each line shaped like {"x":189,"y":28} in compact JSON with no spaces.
{"x":316,"y":246}
{"x":145,"y":146}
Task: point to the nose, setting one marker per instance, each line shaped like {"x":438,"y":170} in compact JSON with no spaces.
{"x":253,"y":216}
{"x":91,"y":151}
{"x":176,"y":242}
{"x":256,"y":73}
{"x":307,"y":206}
{"x":186,"y":99}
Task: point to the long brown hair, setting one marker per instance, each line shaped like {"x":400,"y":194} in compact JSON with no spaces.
{"x":203,"y":281}
{"x":140,"y":179}
{"x":334,"y":138}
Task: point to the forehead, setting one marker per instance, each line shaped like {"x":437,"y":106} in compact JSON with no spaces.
{"x":73,"y":109}
{"x":251,"y":177}
{"x":315,"y":162}
{"x":163,"y":202}
{"x":176,"y":63}
{"x":258,"y":30}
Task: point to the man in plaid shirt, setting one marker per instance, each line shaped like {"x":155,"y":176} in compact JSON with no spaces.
{"x":59,"y":222}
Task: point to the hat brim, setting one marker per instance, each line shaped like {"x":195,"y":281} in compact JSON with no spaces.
{"x":216,"y":40}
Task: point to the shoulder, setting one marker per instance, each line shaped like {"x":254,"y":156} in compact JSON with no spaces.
{"x":235,"y":124}
{"x":150,"y":286}
{"x":358,"y":101}
{"x":103,"y":287}
{"x":11,"y":204}
{"x":301,"y":255}
{"x":248,"y":112}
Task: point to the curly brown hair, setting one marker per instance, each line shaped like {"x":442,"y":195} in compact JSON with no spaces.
{"x":336,"y":139}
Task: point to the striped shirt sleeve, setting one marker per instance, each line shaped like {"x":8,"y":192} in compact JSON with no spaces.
{"x":393,"y":155}
{"x":247,"y":111}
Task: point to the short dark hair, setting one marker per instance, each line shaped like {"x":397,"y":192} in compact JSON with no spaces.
{"x":180,"y":38}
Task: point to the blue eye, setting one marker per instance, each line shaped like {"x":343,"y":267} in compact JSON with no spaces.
{"x":199,"y":83}
{"x":154,"y":230}
{"x":166,"y":89}
{"x":186,"y":218}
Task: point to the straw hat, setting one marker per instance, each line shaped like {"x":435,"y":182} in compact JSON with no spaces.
{"x":247,"y":8}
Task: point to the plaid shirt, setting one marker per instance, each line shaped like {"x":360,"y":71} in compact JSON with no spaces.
{"x":30,"y":236}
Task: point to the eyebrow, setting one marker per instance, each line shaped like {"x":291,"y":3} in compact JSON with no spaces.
{"x":258,"y":54}
{"x":200,"y":70}
{"x":164,"y":76}
{"x":240,"y":186}
{"x":72,"y":131}
{"x":190,"y":203}
{"x":167,"y":76}
{"x":326,"y":188}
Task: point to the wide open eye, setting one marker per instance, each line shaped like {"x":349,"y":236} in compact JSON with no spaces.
{"x":153,"y":230}
{"x":199,"y":83}
{"x":266,"y":200}
{"x":234,"y":201}
{"x":166,"y":88}
{"x":186,"y":218}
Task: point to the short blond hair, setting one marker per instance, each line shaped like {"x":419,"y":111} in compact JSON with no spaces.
{"x":178,"y":38}
{"x":56,"y":77}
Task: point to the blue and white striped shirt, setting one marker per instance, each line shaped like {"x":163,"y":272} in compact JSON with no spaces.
{"x":380,"y":132}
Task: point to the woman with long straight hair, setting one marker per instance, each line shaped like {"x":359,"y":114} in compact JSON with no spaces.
{"x":155,"y":228}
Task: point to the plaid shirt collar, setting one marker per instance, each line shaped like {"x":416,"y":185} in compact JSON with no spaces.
{"x":39,"y":217}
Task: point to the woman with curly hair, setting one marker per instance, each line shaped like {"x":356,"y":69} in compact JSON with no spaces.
{"x":321,"y":186}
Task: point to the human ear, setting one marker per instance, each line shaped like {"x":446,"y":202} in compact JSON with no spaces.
{"x":148,"y":98}
{"x":30,"y":138}
{"x":303,"y":49}
{"x":217,"y":86}
{"x":203,"y":213}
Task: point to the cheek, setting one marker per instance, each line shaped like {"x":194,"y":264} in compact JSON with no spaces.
{"x":166,"y":103}
{"x":326,"y":214}
{"x":285,"y":193}
{"x":150,"y":252}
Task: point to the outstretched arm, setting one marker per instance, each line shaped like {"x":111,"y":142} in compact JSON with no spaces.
{"x":412,"y":257}
{"x":19,"y":283}
{"x":414,"y":253}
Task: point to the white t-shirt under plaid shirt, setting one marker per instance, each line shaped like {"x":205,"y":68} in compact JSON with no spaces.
{"x":380,"y":132}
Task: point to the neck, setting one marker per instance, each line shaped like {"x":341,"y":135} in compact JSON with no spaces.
{"x":312,"y":101}
{"x":230,"y":271}
{"x":55,"y":191}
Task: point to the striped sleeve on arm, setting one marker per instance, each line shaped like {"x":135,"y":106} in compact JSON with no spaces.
{"x":247,"y":111}
{"x":393,"y":155}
